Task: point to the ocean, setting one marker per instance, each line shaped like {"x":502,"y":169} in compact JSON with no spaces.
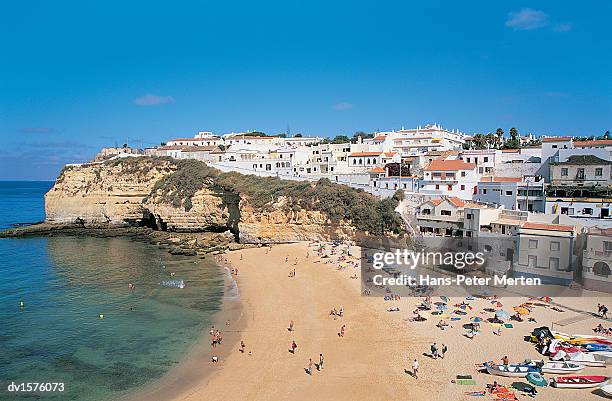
{"x":80,"y":325}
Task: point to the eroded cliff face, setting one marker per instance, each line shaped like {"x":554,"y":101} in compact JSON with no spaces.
{"x":122,"y":194}
{"x":99,"y":194}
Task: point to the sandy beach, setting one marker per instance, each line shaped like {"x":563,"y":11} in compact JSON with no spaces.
{"x":372,"y":358}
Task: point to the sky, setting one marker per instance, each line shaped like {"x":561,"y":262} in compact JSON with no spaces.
{"x":79,"y":75}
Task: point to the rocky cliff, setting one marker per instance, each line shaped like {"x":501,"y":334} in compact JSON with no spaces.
{"x":165,"y":195}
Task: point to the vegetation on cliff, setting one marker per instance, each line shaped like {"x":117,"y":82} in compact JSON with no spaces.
{"x":338,"y":202}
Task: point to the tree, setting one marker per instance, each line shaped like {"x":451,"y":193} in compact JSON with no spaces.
{"x":282,"y":135}
{"x":340,"y":139}
{"x":606,"y":135}
{"x":514,"y":142}
{"x":297,"y":135}
{"x":490,"y":140}
{"x":499,"y":133}
{"x":478,"y":141}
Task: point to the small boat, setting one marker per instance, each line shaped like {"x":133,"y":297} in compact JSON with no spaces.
{"x":584,"y":359}
{"x":603,"y":356}
{"x":561,"y":367}
{"x":597,"y":347}
{"x":510,"y":370}
{"x":579,"y":381}
{"x":537,"y":379}
{"x":607,"y":390}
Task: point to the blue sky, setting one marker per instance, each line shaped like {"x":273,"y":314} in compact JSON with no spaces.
{"x":78,"y":75}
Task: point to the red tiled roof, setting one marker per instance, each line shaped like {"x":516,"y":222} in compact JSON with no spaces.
{"x":358,"y":154}
{"x":501,"y":179}
{"x":449,"y":165}
{"x":377,"y":170}
{"x":185,"y":139}
{"x":557,"y":139}
{"x":390,"y":154}
{"x":596,"y":142}
{"x":452,"y":199}
{"x":380,"y":138}
{"x":511,"y":150}
{"x":549,"y":227}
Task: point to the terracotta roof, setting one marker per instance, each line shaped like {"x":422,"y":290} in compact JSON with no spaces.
{"x":389,"y":154}
{"x":377,"y":170}
{"x":357,"y":154}
{"x":511,"y":150}
{"x":380,"y":138}
{"x":455,"y":201}
{"x":449,"y":165}
{"x":501,"y":179}
{"x":596,"y":142}
{"x":557,"y":139}
{"x":549,"y":227}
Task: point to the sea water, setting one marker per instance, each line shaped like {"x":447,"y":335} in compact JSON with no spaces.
{"x":80,"y":324}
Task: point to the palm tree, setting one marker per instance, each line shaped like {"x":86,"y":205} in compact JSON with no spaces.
{"x":500,"y":136}
{"x":490,"y":140}
{"x":478,"y":141}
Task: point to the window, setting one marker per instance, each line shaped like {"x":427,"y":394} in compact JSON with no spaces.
{"x":607,"y":246}
{"x":449,"y":187}
{"x":587,"y":211}
{"x":426,"y":211}
{"x":532,"y":261}
{"x":508,"y":193}
{"x":533,"y":244}
{"x":437,"y":186}
{"x":445,"y":212}
{"x":480,"y":170}
{"x":555,"y":245}
{"x":553,"y":263}
{"x":469,"y":216}
{"x":601,"y":269}
{"x":468,"y":159}
{"x":463,"y":173}
{"x":554,"y":146}
{"x":580,"y":174}
{"x":437,"y":175}
{"x":484,"y":191}
{"x":463,"y":187}
{"x":564,"y":172}
{"x":598,"y":172}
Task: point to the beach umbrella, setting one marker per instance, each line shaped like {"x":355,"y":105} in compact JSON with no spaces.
{"x":444,"y":298}
{"x":502,"y":314}
{"x":463,"y":306}
{"x":476,"y":319}
{"x":498,"y":305}
{"x":521,"y":310}
{"x":546,"y":299}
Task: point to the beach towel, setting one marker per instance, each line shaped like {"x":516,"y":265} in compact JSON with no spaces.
{"x":455,"y":318}
{"x":508,"y":325}
{"x":464,"y":377}
{"x":466,"y":382}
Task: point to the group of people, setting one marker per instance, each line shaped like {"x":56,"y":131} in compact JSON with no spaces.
{"x":438,"y":352}
{"x":602,"y":311}
{"x":215,"y":336}
{"x":319,"y":365}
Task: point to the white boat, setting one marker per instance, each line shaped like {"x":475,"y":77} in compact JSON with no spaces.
{"x":607,"y":390}
{"x":561,"y":367}
{"x":585,"y":359}
{"x":603,"y":356}
{"x":510,"y":370}
{"x":579,"y":381}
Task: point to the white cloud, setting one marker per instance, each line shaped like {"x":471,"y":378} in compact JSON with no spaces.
{"x":563,"y":27}
{"x":527,"y":19}
{"x":343,"y":106}
{"x":153,"y":100}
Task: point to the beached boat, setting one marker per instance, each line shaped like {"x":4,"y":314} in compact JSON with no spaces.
{"x":561,"y":367}
{"x":510,"y":370}
{"x":603,"y":356}
{"x":537,"y":379}
{"x":579,"y":381}
{"x":597,"y":347}
{"x":584,"y":359}
{"x":607,"y":390}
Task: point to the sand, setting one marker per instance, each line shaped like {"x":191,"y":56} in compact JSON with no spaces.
{"x":369,"y":362}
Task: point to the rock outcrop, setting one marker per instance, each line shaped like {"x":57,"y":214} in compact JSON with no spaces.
{"x":123,"y":193}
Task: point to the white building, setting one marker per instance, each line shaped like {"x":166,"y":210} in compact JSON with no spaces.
{"x":512,"y":193}
{"x":450,"y":178}
{"x":597,"y":260}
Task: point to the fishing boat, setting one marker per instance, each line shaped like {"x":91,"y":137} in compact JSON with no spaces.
{"x":607,"y":390}
{"x":579,"y":381}
{"x":597,"y":347}
{"x":603,"y":356}
{"x":561,"y":367}
{"x":510,"y":370}
{"x":584,"y":359}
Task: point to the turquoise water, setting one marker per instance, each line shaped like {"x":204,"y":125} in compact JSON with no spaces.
{"x":67,"y":282}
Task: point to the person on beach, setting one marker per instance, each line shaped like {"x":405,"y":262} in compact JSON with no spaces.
{"x":309,"y":368}
{"x":604,"y":311}
{"x":241,"y":256}
{"x":286,"y":259}
{"x":434,"y":351}
{"x":341,"y":334}
{"x":341,"y":310}
{"x":291,"y":325}
{"x":242,"y":346}
{"x":443,"y":351}
{"x":415,"y":369}
{"x":293,"y":347}
{"x":320,"y":361}
{"x":505,"y":361}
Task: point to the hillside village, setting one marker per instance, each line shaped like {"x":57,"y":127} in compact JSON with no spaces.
{"x":551,"y":195}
